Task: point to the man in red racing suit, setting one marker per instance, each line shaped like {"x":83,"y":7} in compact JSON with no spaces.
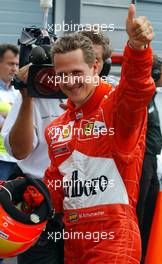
{"x":96,"y":151}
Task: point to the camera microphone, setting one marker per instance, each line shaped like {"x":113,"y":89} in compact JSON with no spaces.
{"x":106,"y":68}
{"x":46,"y":4}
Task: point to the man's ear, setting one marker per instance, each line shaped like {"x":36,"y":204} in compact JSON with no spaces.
{"x":95,"y":67}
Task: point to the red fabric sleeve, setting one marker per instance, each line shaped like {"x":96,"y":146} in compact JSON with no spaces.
{"x":132,"y":96}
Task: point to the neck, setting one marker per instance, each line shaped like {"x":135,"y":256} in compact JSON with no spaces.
{"x":8,"y":83}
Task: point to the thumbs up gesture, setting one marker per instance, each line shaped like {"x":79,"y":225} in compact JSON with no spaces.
{"x":139,"y":29}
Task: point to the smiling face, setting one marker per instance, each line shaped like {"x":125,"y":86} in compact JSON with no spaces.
{"x":75,"y":76}
{"x":8,"y":66}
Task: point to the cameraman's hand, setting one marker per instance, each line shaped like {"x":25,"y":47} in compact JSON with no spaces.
{"x":22,"y":75}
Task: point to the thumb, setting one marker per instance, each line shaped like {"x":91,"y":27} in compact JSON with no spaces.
{"x":131,"y":12}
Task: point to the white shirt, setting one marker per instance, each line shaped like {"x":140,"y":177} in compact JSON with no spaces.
{"x":44,"y":111}
{"x":7,"y":95}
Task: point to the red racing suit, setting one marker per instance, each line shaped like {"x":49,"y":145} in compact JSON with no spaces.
{"x":96,"y":153}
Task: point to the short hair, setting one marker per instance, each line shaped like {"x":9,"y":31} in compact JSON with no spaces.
{"x":98,"y":38}
{"x":6,"y":47}
{"x":74,"y":41}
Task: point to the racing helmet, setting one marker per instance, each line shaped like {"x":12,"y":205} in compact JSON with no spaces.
{"x":20,"y":230}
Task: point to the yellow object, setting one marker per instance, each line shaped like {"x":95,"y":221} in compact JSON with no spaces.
{"x":2,"y":148}
{"x":5,"y":107}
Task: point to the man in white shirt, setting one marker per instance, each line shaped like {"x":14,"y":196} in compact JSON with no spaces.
{"x":9,"y":60}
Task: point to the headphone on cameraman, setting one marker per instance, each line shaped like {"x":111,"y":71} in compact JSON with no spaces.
{"x":156,"y":72}
{"x":106,"y":68}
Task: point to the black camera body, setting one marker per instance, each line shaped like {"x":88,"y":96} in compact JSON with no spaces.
{"x":35,"y":46}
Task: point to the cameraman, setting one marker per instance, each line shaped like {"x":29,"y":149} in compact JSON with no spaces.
{"x":23,"y":133}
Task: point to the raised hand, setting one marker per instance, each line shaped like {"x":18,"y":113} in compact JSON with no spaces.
{"x":139,"y":29}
